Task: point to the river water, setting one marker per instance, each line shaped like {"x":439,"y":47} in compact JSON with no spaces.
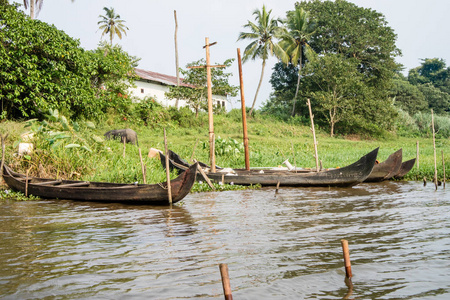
{"x":276,"y":246}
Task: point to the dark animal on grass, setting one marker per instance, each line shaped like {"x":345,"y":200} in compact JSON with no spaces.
{"x":127,"y":135}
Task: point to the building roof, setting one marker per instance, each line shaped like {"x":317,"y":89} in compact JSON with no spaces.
{"x":158,"y":77}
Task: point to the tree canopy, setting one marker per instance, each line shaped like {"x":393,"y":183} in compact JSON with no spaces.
{"x":359,"y":49}
{"x":43,"y":68}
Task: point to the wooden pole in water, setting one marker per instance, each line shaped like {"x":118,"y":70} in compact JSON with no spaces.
{"x":142,"y":167}
{"x":210,"y":109}
{"x":225,"y":282}
{"x":278,"y":185}
{"x":417,"y":155}
{"x":169,"y":187}
{"x":348,"y":266}
{"x":434,"y":148}
{"x":3,"y":138}
{"x":314,"y":135}
{"x":443,"y":166}
{"x":244,"y":113}
{"x":26,"y":183}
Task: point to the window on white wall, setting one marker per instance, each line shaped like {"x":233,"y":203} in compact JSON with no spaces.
{"x":142,"y":91}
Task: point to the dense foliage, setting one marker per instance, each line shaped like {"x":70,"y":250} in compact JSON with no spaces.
{"x":43,"y":68}
{"x":359,"y":41}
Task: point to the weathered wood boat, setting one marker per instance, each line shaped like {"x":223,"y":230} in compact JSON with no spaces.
{"x":405,"y":168}
{"x":340,"y":177}
{"x":156,"y":194}
{"x":386,"y":169}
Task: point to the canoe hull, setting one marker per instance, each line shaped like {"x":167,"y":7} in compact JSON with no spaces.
{"x":386,"y":169}
{"x":103,"y":191}
{"x":341,"y":177}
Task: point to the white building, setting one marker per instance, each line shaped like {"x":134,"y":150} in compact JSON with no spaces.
{"x":152,"y":84}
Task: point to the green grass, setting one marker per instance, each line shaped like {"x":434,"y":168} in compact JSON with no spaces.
{"x":270,"y":142}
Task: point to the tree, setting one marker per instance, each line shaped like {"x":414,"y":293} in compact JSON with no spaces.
{"x":432,"y":78}
{"x":338,"y":82}
{"x":407,"y":96}
{"x":263,"y":34}
{"x":194,"y":85}
{"x":355,"y":32}
{"x":360,"y":35}
{"x":33,"y":4}
{"x":294,"y":42}
{"x":112,"y":24}
{"x":42,"y":68}
{"x":283,"y":80}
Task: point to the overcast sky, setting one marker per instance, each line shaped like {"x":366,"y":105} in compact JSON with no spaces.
{"x":422,"y":28}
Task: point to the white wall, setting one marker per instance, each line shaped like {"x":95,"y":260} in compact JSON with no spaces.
{"x":149,"y":89}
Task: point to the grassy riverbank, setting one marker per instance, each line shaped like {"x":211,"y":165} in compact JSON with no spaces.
{"x":271,"y":142}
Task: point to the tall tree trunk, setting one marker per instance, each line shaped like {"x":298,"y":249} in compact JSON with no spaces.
{"x":176,"y":53}
{"x":259,"y":85}
{"x":32,"y":9}
{"x":298,"y":86}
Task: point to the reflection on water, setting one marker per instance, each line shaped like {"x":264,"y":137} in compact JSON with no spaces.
{"x":277,"y":246}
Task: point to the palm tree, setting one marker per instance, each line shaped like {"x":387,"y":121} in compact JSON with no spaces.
{"x":33,"y":4}
{"x":263,"y":33}
{"x":112,"y":24}
{"x":294,"y":42}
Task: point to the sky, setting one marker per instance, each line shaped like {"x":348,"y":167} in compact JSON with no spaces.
{"x":422,"y":28}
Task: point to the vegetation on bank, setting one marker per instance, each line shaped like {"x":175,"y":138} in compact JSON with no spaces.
{"x":77,"y":150}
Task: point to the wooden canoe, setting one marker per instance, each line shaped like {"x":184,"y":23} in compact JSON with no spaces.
{"x":386,"y":169}
{"x":405,"y":168}
{"x":102,"y":191}
{"x":340,"y":177}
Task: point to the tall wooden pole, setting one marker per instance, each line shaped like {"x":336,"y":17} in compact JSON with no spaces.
{"x":314,"y":135}
{"x":443,"y":168}
{"x":169,"y":187}
{"x":244,"y":113}
{"x":417,"y":155}
{"x":176,"y":53}
{"x":434,"y":147}
{"x":212,"y":156}
{"x":3,"y":139}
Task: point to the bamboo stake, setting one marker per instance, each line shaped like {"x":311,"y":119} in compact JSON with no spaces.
{"x":244,"y":113}
{"x":348,"y":266}
{"x":169,"y":187}
{"x":293,"y":154}
{"x":278,"y":185}
{"x":142,"y":166}
{"x":417,"y":155}
{"x":434,"y":148}
{"x":193,"y":150}
{"x":206,"y":178}
{"x":3,"y":139}
{"x":176,"y":53}
{"x":314,"y":135}
{"x":124,"y":141}
{"x":26,"y":183}
{"x":443,"y":167}
{"x":225,"y":282}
